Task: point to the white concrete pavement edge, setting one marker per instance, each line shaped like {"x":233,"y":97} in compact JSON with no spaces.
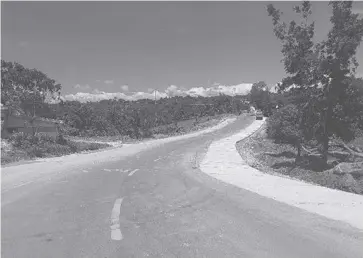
{"x":224,"y":163}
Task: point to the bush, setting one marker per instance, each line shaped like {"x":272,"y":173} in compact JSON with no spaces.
{"x":69,"y":130}
{"x":27,"y":146}
{"x":61,"y":140}
{"x":24,"y":140}
{"x":166,"y":129}
{"x":283,"y":127}
{"x":85,"y":146}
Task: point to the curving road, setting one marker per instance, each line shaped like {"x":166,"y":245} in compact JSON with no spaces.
{"x":157,"y":203}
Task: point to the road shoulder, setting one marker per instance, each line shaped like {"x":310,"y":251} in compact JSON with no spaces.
{"x":224,"y":163}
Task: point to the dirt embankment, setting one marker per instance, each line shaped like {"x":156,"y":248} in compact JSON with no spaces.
{"x":269,"y":157}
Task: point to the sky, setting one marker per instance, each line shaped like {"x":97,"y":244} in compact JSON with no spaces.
{"x":100,"y":50}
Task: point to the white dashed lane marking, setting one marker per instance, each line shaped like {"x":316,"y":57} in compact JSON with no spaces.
{"x":115,"y":220}
{"x":133,"y":172}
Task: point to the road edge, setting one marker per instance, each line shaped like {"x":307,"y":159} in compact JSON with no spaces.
{"x":223,"y":162}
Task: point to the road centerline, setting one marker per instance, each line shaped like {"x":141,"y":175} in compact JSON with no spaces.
{"x":115,"y":220}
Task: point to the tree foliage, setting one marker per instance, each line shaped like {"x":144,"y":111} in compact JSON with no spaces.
{"x":320,"y":75}
{"x":261,"y":98}
{"x":283,"y":126}
{"x":136,"y":119}
{"x":26,"y":89}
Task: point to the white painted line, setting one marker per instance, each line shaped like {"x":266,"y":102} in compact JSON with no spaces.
{"x":16,"y":186}
{"x":106,"y":169}
{"x":157,"y":159}
{"x":133,"y":172}
{"x":115,"y":221}
{"x":19,"y":185}
{"x":85,"y":171}
{"x":125,"y":171}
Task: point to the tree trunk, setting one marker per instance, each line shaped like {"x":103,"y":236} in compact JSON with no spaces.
{"x":325,"y":149}
{"x":327,"y":116}
{"x":299,"y":150}
{"x":326,"y":134}
{"x":298,"y":156}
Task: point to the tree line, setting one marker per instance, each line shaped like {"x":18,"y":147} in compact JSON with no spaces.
{"x":31,"y":92}
{"x":136,"y":119}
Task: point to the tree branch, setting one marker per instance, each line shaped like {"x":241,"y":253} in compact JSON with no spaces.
{"x":346,"y":147}
{"x":310,"y":151}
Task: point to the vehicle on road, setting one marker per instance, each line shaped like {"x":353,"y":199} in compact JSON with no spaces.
{"x":259,"y":115}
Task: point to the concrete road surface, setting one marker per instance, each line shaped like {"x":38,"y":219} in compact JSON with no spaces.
{"x":157,"y":203}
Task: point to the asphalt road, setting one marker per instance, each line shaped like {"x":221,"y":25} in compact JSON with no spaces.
{"x":157,"y":203}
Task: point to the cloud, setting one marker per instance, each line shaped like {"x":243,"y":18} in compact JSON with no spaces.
{"x":82,"y":87}
{"x":171,"y":91}
{"x":108,"y":81}
{"x":239,"y":89}
{"x":125,"y":87}
{"x":98,"y":95}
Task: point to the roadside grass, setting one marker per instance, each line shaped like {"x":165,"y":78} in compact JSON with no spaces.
{"x":21,"y":147}
{"x":269,"y":157}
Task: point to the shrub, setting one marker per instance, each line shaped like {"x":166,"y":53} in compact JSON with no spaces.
{"x":41,"y":145}
{"x":283,"y":127}
{"x":24,"y":140}
{"x":85,"y":146}
{"x":69,"y":130}
{"x":35,"y":152}
{"x":61,"y":140}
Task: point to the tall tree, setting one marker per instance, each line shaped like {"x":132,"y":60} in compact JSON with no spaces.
{"x":25,"y":89}
{"x":260,"y":97}
{"x":319,"y":72}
